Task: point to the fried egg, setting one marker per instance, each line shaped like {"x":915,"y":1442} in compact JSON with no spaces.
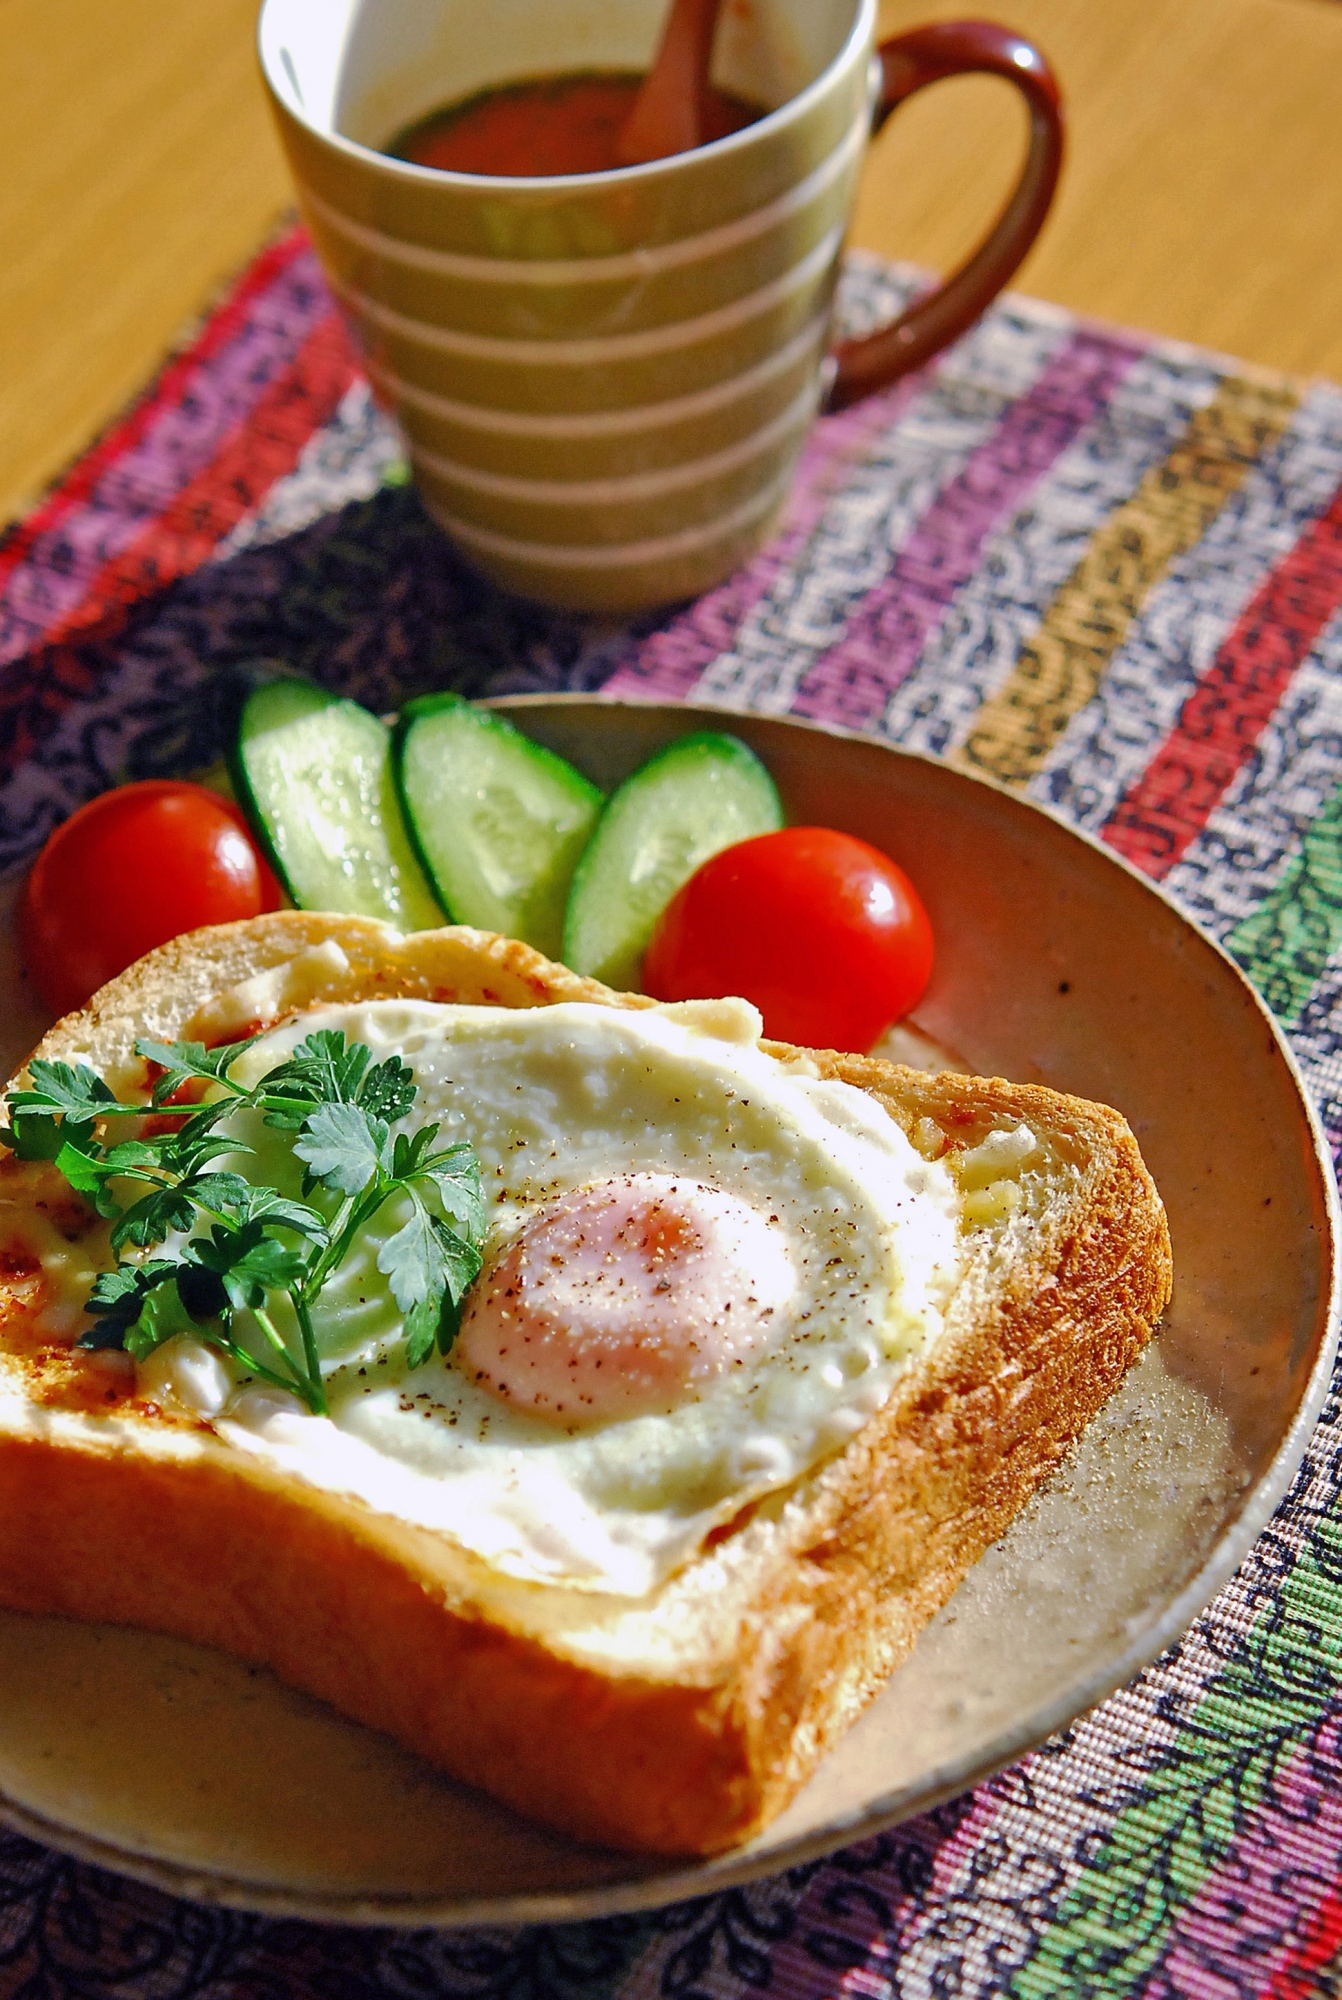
{"x":703,"y":1274}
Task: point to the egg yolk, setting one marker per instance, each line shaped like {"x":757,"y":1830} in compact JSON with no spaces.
{"x":624,"y":1299}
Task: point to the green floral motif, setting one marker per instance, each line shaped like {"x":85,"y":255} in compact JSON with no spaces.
{"x":1287,"y":942}
{"x":1194,"y":1799}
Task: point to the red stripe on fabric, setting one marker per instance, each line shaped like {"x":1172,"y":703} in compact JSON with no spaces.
{"x":260,"y":451}
{"x":1223,"y":718}
{"x":1321,"y":1947}
{"x":168,"y":388}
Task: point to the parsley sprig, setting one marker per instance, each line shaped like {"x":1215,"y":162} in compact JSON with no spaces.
{"x":241,"y":1246}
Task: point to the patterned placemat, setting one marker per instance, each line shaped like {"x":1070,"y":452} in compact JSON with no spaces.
{"x":1105,"y":570}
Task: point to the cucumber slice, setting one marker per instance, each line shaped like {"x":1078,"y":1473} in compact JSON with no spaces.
{"x":688,"y":802}
{"x":498,"y":822}
{"x":313,"y":774}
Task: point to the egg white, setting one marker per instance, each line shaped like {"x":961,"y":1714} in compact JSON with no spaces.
{"x":555,"y":1098}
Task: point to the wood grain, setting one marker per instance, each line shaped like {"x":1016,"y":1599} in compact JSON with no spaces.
{"x":141,"y":170}
{"x":1200,"y":198}
{"x":1203,"y":185}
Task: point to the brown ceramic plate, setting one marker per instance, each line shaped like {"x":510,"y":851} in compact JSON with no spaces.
{"x":1055,"y":963}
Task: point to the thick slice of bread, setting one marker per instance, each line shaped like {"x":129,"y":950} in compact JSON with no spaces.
{"x":679,"y":1723}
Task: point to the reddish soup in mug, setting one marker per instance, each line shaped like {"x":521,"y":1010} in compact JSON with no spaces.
{"x":550,"y":125}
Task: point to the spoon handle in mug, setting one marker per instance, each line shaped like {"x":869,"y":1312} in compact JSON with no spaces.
{"x":908,"y":63}
{"x":671,"y":112}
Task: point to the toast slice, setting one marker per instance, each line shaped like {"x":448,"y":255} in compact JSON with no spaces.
{"x":678,"y":1723}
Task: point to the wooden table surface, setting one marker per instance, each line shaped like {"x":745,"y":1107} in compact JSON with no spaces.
{"x":1202,"y":196}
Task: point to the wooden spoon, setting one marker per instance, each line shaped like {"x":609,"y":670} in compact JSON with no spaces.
{"x":671,"y":111}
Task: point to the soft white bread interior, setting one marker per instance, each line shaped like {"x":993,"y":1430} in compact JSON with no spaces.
{"x":677,"y":1723}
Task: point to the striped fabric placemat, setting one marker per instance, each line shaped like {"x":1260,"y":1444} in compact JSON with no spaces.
{"x":1109,"y":572}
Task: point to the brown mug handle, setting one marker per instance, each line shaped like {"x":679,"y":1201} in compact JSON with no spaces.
{"x":908,"y":62}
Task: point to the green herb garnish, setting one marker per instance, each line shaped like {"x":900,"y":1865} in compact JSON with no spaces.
{"x":245,"y":1245}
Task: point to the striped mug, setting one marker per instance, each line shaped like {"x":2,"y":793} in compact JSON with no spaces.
{"x":605,"y":380}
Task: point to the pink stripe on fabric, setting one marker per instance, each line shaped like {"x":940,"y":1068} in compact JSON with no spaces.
{"x":841,"y":1908}
{"x":670,"y":662}
{"x":1249,"y":1917}
{"x":177,"y":444}
{"x":74,"y":489}
{"x":853,"y":681}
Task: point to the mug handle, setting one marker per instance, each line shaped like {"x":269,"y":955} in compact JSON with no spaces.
{"x":909,"y":62}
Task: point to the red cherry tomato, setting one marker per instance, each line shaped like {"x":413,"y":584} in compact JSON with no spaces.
{"x":128,"y":871}
{"x":824,"y":933}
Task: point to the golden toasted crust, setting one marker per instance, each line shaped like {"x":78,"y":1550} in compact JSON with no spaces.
{"x":678,"y":1725}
